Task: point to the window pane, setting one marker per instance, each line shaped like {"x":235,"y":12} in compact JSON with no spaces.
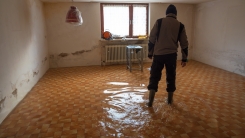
{"x":139,"y":20}
{"x":116,"y":19}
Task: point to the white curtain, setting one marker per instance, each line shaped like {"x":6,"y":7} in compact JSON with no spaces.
{"x":139,"y":20}
{"x":116,"y":19}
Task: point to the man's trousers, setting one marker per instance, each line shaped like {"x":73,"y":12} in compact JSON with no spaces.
{"x":159,"y":61}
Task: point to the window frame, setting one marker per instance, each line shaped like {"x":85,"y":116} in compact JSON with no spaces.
{"x":130,"y":17}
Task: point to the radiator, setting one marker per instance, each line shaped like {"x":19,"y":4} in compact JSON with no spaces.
{"x":117,"y":53}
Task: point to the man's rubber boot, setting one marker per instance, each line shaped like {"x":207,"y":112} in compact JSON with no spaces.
{"x":151,"y":98}
{"x":170,"y":97}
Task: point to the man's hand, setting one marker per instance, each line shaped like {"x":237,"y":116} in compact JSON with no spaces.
{"x":183,"y":64}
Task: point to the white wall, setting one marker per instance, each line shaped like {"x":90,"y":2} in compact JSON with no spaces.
{"x":67,"y":39}
{"x":219,"y":36}
{"x":184,"y":14}
{"x":23,"y":50}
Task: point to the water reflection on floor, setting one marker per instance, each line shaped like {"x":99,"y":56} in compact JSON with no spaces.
{"x":125,"y":114}
{"x":109,"y":102}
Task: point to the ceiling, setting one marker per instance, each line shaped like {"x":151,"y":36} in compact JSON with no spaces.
{"x":134,"y":1}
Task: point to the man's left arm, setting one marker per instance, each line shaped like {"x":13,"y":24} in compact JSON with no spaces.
{"x":184,"y":46}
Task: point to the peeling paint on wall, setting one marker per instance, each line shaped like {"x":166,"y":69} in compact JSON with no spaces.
{"x":35,"y":73}
{"x":25,"y":79}
{"x":56,"y":59}
{"x":13,"y":86}
{"x":63,"y":54}
{"x":80,"y":52}
{"x":2,"y":103}
{"x":44,"y":60}
{"x":14,"y":93}
{"x":22,"y":79}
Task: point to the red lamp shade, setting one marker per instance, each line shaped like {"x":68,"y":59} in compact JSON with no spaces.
{"x":74,"y":16}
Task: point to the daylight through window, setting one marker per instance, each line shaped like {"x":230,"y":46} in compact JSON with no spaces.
{"x":125,"y":20}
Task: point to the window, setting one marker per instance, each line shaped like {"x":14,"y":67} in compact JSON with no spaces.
{"x":125,"y":20}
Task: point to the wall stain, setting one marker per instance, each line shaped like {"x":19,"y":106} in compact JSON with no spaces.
{"x":26,"y":79}
{"x":15,"y":93}
{"x":44,"y":60}
{"x":63,"y":54}
{"x":35,"y":73}
{"x":80,"y":52}
{"x":2,"y":103}
{"x":83,"y":51}
{"x":55,"y":58}
{"x":51,"y":56}
{"x":13,"y":86}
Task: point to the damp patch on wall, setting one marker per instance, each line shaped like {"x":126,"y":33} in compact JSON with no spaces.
{"x":25,"y":78}
{"x":2,"y":103}
{"x":55,"y":59}
{"x":73,"y":53}
{"x":35,"y":73}
{"x":51,"y":56}
{"x":63,"y":54}
{"x":45,"y":59}
{"x":83,"y":51}
{"x":80,"y":52}
{"x":21,"y":80}
{"x":14,"y":93}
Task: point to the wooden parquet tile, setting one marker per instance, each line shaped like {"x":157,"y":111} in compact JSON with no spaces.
{"x":109,"y":101}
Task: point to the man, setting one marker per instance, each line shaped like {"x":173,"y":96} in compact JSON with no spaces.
{"x":163,"y":45}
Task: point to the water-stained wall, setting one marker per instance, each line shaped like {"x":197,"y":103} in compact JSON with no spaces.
{"x":73,"y":45}
{"x":80,"y":45}
{"x":23,"y":50}
{"x":219,"y":35}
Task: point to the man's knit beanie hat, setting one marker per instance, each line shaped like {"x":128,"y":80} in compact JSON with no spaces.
{"x":171,"y":9}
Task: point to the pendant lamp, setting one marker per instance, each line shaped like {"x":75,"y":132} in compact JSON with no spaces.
{"x":74,"y":16}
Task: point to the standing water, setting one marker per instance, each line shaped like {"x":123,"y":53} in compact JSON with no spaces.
{"x":126,"y":114}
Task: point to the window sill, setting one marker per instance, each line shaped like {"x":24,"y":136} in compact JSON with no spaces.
{"x":127,"y":39}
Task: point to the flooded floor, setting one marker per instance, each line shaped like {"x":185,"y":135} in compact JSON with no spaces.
{"x":104,"y":102}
